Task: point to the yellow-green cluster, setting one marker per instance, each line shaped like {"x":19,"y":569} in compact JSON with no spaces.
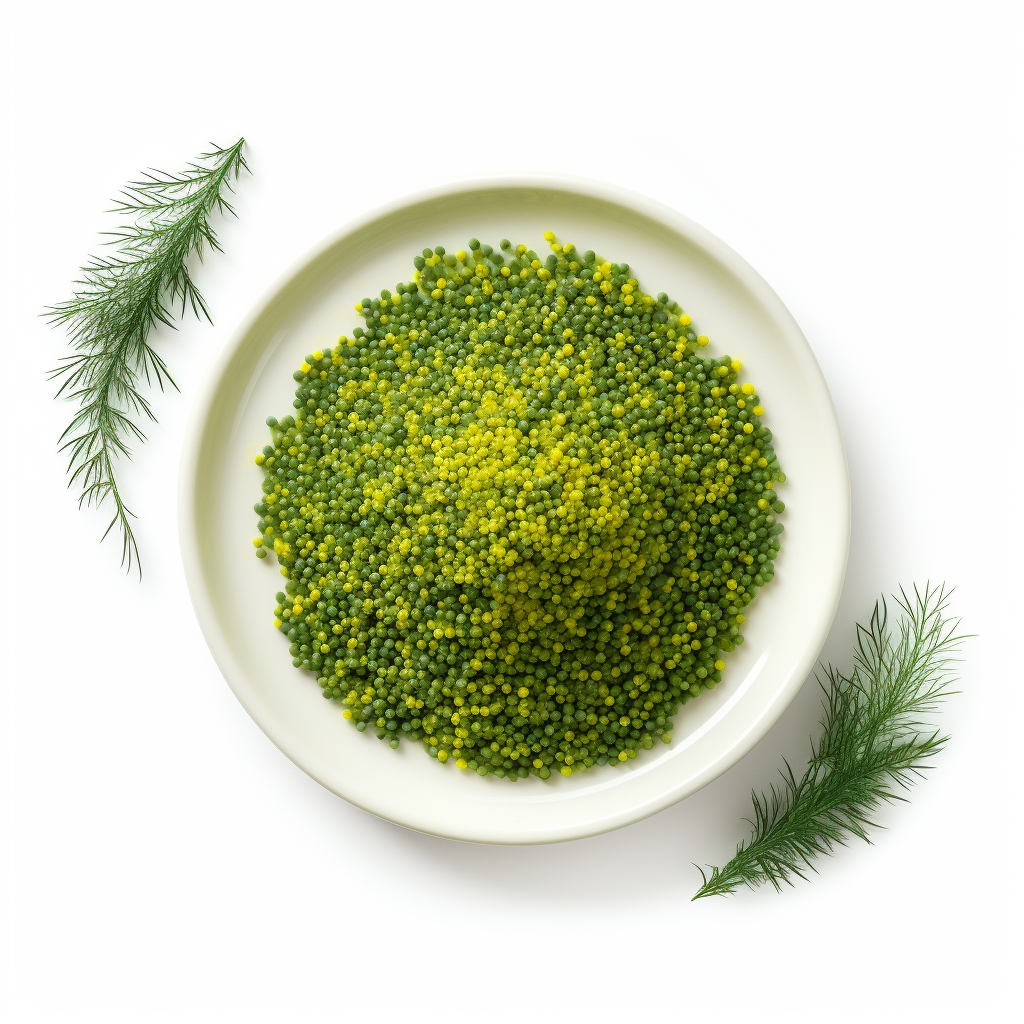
{"x":521,"y":512}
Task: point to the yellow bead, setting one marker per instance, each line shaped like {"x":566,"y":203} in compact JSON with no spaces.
{"x":569,"y":527}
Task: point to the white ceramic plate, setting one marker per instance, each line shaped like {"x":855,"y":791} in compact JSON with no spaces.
{"x":233,"y":591}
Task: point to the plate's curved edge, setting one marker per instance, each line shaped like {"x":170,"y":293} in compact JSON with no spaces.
{"x":590,"y":188}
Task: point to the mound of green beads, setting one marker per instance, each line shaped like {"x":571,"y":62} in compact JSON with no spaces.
{"x":521,"y":513}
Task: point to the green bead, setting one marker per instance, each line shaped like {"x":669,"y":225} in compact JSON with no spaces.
{"x":454,"y":580}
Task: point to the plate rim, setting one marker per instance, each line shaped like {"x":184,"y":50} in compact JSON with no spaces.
{"x":589,"y":188}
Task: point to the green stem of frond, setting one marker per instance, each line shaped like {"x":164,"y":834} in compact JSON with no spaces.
{"x":874,"y":744}
{"x":111,"y":314}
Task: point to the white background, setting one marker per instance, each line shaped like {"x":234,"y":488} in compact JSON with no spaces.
{"x":162,"y":861}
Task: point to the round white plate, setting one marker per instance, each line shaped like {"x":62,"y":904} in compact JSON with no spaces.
{"x":233,"y":591}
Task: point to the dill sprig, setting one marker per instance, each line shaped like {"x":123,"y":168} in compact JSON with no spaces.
{"x":874,"y":743}
{"x":109,"y":316}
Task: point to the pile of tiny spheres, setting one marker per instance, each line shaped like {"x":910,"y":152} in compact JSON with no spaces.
{"x":520,"y":514}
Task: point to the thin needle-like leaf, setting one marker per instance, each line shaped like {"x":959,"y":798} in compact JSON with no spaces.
{"x":875,"y":743}
{"x":108,"y":318}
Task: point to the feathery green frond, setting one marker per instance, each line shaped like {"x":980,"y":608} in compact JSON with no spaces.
{"x":876,"y":743}
{"x":109,"y":316}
